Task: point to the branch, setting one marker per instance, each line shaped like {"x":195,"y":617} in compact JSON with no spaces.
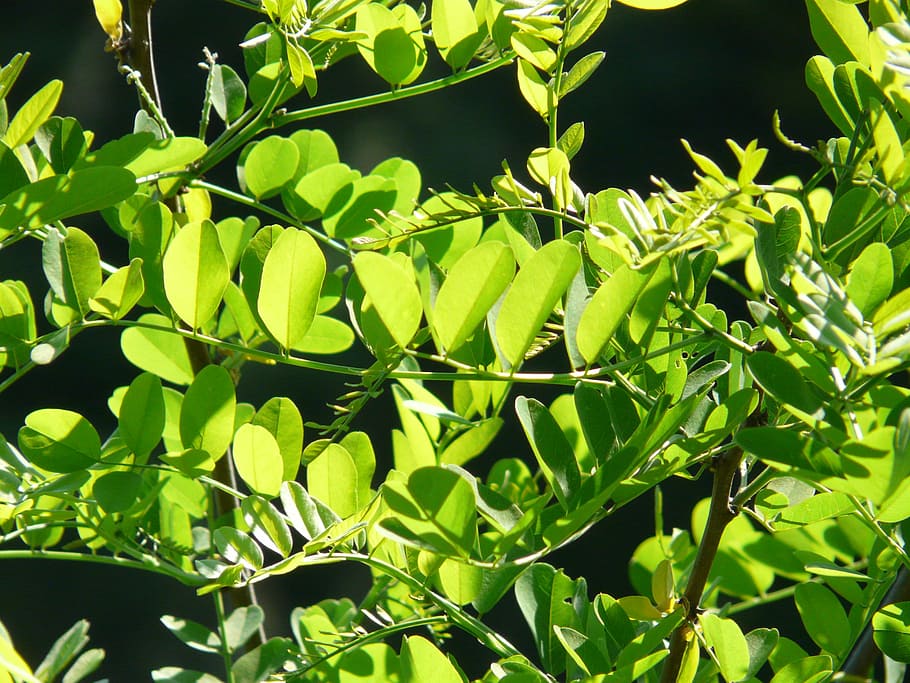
{"x":140,"y":52}
{"x":719,"y":516}
{"x":862,"y":658}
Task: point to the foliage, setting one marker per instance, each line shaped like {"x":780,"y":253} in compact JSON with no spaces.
{"x":798,"y":415}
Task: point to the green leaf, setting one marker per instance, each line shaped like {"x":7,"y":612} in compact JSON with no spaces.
{"x":117,"y":491}
{"x":270,"y":165}
{"x":471,"y":288}
{"x":72,"y":266}
{"x":454,"y":31}
{"x":86,"y":664}
{"x":292,"y":278}
{"x":393,"y":293}
{"x":315,"y":149}
{"x":59,"y":441}
{"x":580,"y":72}
{"x":280,"y":416}
{"x":472,"y":443}
{"x":196,"y":273}
{"x":820,"y":79}
{"x":588,"y":16}
{"x":785,"y":383}
{"x":237,"y":547}
{"x":546,"y":598}
{"x":173,"y":674}
{"x":143,"y":154}
{"x":891,"y":631}
{"x":840,"y":30}
{"x":824,"y":617}
{"x":353,"y":214}
{"x":552,"y":449}
{"x":533,"y":88}
{"x":207,"y":412}
{"x":327,"y":335}
{"x":120,"y":292}
{"x":534,"y":50}
{"x":536,"y":290}
{"x":258,"y":459}
{"x":608,"y":308}
{"x":192,"y":634}
{"x":158,"y":352}
{"x":335,"y":479}
{"x":870,"y":278}
{"x":761,"y":642}
{"x":805,"y":670}
{"x":314,"y":192}
{"x":308,"y":516}
{"x":422,"y":661}
{"x":241,"y":624}
{"x":729,"y":645}
{"x":437,"y":508}
{"x":12,"y":175}
{"x":62,"y":141}
{"x":32,"y":114}
{"x":62,"y":652}
{"x":571,"y":140}
{"x":228,"y":93}
{"x":887,"y":142}
{"x":266,"y":524}
{"x":260,"y":663}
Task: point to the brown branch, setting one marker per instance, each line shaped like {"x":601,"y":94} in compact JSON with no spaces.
{"x":862,"y":657}
{"x":720,"y":514}
{"x":140,"y":53}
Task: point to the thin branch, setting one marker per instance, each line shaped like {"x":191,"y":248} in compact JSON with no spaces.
{"x":720,"y":515}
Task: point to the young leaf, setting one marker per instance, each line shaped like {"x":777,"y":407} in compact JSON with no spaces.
{"x":608,"y":308}
{"x":158,"y":352}
{"x":258,"y":459}
{"x":422,"y":661}
{"x":308,"y":516}
{"x":120,"y":292}
{"x":580,"y":72}
{"x":546,"y":598}
{"x":840,"y":30}
{"x":193,"y":634}
{"x":652,"y":4}
{"x":533,"y":88}
{"x":891,"y":632}
{"x":266,"y":524}
{"x":454,"y":31}
{"x":33,"y":114}
{"x":207,"y":412}
{"x":72,"y":265}
{"x":241,"y":624}
{"x":237,"y":547}
{"x":59,"y":441}
{"x":729,"y":645}
{"x":824,"y":617}
{"x":393,"y":293}
{"x":292,"y":276}
{"x":228,"y":93}
{"x":280,"y":416}
{"x":117,"y":491}
{"x":335,"y":479}
{"x":471,"y":288}
{"x":553,"y":451}
{"x":588,"y":16}
{"x":196,"y":273}
{"x":62,"y":652}
{"x":536,"y":290}
{"x":270,"y":165}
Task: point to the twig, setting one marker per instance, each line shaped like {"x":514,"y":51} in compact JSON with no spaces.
{"x":720,"y":515}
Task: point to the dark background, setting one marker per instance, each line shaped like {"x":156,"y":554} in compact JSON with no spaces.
{"x":706,"y":71}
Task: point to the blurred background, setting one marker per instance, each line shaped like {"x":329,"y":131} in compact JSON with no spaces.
{"x":706,"y":71}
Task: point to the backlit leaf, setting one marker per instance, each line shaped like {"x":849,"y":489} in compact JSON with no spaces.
{"x":393,"y":293}
{"x":292,"y":278}
{"x":258,"y":459}
{"x":536,"y":290}
{"x":196,"y":273}
{"x":59,"y":440}
{"x":207,"y":412}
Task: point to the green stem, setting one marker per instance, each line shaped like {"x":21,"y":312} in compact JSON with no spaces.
{"x":184,"y":577}
{"x":274,"y":213}
{"x":222,"y":632}
{"x":393,"y":96}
